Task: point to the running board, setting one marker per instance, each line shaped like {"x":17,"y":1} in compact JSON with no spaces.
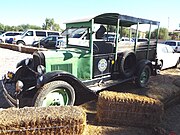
{"x":106,"y":84}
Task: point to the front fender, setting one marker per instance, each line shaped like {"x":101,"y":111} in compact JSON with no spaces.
{"x":60,"y":75}
{"x":23,"y":63}
{"x":83,"y":93}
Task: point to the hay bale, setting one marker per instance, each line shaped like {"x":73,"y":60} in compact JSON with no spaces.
{"x":128,"y":109}
{"x":63,"y":120}
{"x":177,"y":82}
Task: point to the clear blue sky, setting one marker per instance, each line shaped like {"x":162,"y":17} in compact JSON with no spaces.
{"x":16,"y":12}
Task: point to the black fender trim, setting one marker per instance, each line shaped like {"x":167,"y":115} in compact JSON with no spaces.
{"x":80,"y":89}
{"x":142,"y":63}
{"x":59,"y":75}
{"x":22,"y":63}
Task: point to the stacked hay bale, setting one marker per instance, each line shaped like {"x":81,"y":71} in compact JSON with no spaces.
{"x":128,"y":109}
{"x":65,"y":120}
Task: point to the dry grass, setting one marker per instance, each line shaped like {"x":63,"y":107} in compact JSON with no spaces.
{"x":66,"y":120}
{"x":128,"y":109}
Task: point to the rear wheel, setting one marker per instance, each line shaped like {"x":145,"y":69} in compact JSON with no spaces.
{"x":143,"y":76}
{"x":56,"y":93}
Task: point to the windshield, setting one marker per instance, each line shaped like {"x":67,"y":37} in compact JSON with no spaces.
{"x":77,"y":36}
{"x":74,"y":32}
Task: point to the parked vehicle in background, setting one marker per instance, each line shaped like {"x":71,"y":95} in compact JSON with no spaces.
{"x":50,"y":42}
{"x":86,"y":66}
{"x":30,"y":35}
{"x":110,"y":36}
{"x":167,"y":57}
{"x":141,"y":39}
{"x":175,"y":44}
{"x":7,"y":35}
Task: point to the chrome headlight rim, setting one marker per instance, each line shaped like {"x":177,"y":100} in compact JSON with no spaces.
{"x":41,"y":69}
{"x":19,"y":86}
{"x":27,"y":61}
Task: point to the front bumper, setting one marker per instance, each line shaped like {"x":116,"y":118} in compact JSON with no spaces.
{"x":11,"y":100}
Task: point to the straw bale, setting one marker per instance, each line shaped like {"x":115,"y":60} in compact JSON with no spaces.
{"x":128,"y":109}
{"x":65,"y":120}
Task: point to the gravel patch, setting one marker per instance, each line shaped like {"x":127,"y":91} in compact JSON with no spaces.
{"x":9,"y":59}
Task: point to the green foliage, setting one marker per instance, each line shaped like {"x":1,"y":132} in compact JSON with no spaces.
{"x":111,"y":28}
{"x":1,"y":26}
{"x":163,"y":34}
{"x":48,"y":25}
{"x":174,"y":35}
{"x":125,"y":32}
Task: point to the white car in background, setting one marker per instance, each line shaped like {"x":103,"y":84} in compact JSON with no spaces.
{"x":7,"y":35}
{"x":167,"y":57}
{"x":175,"y":44}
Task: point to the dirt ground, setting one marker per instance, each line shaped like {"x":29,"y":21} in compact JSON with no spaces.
{"x":163,"y":87}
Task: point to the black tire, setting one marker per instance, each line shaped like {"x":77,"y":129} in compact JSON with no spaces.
{"x":62,"y":92}
{"x":20,"y":43}
{"x":143,"y":75}
{"x":1,"y":41}
{"x":160,"y":64}
{"x":127,"y":64}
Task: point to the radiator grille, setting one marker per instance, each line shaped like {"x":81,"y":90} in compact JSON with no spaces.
{"x":63,"y":67}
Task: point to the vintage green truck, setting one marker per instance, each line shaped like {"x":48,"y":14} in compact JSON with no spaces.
{"x":88,"y":63}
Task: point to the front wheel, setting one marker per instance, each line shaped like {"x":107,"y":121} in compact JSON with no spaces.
{"x":20,"y":43}
{"x":56,"y":93}
{"x":143,"y":76}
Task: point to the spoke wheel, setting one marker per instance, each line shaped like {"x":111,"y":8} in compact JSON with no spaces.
{"x":56,"y":93}
{"x":143,"y":76}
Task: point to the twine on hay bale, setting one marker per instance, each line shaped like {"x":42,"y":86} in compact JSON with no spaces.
{"x":128,"y":109}
{"x":63,"y":120}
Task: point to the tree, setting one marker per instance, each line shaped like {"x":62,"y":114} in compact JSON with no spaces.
{"x":28,"y":26}
{"x":1,"y":26}
{"x":125,"y":32}
{"x":174,"y":35}
{"x":163,"y":33}
{"x":50,"y":25}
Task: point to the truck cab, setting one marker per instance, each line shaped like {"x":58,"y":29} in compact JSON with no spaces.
{"x":88,"y":62}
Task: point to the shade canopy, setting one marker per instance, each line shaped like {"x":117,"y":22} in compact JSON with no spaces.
{"x":112,"y":18}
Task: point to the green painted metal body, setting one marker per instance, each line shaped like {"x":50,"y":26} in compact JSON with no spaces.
{"x":74,"y":61}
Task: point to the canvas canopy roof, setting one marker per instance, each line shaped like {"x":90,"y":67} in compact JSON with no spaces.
{"x":112,"y":18}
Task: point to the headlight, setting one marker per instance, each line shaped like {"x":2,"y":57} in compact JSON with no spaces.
{"x":19,"y":86}
{"x":41,"y":69}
